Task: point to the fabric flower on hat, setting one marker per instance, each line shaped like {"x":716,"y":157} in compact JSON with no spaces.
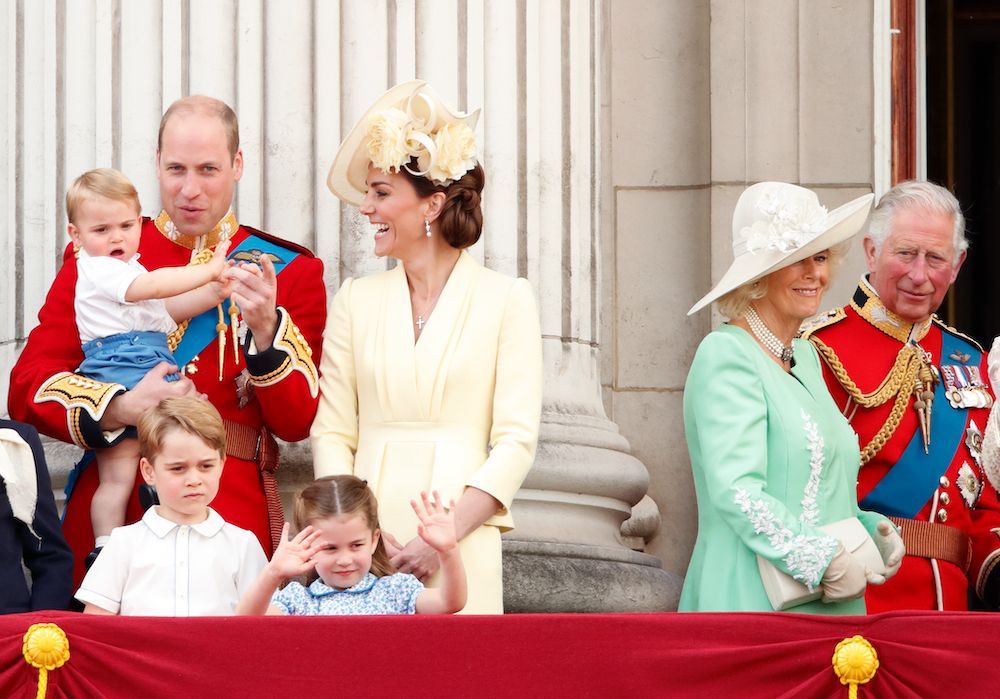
{"x":387,"y":139}
{"x":784,"y":226}
{"x":455,"y":146}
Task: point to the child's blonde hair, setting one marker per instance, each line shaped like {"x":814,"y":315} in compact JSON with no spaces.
{"x":101,"y":182}
{"x":192,"y":415}
{"x":342,"y":495}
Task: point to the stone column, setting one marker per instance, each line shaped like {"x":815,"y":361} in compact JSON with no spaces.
{"x":567,"y":552}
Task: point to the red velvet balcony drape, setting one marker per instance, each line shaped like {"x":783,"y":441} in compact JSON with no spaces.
{"x":663,"y":655}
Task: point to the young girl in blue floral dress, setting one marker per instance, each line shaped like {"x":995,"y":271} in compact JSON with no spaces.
{"x":339,"y":548}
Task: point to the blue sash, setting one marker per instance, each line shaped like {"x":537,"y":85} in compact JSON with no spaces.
{"x":911,"y":482}
{"x":201,"y":329}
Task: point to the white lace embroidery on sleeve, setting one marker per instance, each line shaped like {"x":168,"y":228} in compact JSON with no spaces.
{"x":806,"y":557}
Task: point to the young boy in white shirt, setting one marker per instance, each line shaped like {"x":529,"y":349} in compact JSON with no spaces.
{"x":181,"y":558}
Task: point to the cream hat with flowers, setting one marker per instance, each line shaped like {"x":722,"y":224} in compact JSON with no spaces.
{"x":777,"y":224}
{"x":408,"y":121}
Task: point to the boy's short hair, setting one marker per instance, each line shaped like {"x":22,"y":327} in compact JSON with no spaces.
{"x":192,"y":415}
{"x":101,"y":182}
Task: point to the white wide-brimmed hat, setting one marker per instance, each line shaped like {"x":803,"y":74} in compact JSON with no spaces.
{"x":408,"y":121}
{"x":777,"y":224}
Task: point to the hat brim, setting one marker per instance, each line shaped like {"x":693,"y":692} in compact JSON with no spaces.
{"x":350,"y":166}
{"x":845,"y":222}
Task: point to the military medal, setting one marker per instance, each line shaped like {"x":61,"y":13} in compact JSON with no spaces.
{"x":968,"y":484}
{"x":965,"y":387}
{"x":244,"y":388}
{"x":974,"y":441}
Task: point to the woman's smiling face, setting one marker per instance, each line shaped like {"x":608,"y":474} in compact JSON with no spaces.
{"x":794,"y":292}
{"x":395,"y":211}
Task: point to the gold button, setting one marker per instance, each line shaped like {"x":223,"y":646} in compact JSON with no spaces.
{"x":945,"y":482}
{"x":945,"y":499}
{"x":942,"y":515}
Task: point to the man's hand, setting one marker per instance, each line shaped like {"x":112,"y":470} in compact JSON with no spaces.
{"x":255,"y":291}
{"x":126,"y":408}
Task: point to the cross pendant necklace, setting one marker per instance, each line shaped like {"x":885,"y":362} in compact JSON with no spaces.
{"x":420,"y":322}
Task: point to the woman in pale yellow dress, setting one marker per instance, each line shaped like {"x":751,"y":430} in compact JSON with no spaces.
{"x":431,"y":371}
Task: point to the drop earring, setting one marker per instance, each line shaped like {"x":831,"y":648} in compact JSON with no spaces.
{"x":427,"y":227}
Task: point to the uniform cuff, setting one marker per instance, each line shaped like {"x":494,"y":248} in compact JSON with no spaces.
{"x":288,"y":352}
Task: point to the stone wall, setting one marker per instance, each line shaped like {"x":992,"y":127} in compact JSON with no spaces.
{"x":618,"y":135}
{"x":705,"y":101}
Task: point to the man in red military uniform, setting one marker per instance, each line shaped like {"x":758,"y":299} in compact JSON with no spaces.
{"x":255,"y":360}
{"x":918,"y":395}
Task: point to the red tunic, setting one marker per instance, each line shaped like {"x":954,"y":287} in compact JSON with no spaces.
{"x":283,"y":398}
{"x":865,"y":338}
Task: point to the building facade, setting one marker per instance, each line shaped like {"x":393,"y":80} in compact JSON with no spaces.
{"x":617,"y":136}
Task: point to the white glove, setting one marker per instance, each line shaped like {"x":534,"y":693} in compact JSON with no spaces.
{"x":890,"y":545}
{"x":845,"y":578}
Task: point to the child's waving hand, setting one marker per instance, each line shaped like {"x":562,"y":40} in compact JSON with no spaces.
{"x":437,"y":530}
{"x":437,"y":524}
{"x":294,"y":557}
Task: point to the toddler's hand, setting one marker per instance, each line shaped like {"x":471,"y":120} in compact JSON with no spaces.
{"x":219,"y":263}
{"x":295,"y":557}
{"x":437,"y":524}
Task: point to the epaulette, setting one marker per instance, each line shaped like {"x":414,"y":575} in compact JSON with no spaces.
{"x":952,"y":331}
{"x":822,"y":320}
{"x":280,"y":242}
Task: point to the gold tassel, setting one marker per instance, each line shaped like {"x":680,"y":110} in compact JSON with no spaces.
{"x":233,"y":323}
{"x":220,"y":328}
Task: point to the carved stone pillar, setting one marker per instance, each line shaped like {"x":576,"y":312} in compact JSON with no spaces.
{"x":567,"y":552}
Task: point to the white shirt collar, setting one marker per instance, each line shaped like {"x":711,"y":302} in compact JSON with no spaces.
{"x":161,"y":526}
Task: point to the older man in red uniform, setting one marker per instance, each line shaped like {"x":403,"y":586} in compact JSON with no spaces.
{"x":916,"y":391}
{"x":255,"y":360}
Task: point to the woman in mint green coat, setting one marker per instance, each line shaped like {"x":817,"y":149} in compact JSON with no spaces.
{"x":772,"y":456}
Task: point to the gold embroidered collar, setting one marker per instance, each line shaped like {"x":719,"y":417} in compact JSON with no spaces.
{"x":222,"y":231}
{"x":870,"y":307}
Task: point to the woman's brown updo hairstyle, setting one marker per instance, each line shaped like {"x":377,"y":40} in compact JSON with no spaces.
{"x":461,"y":218}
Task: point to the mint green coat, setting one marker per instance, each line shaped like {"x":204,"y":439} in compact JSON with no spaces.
{"x":773,"y":459}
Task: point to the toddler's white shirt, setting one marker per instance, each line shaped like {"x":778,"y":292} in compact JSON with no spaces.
{"x":100,"y":305}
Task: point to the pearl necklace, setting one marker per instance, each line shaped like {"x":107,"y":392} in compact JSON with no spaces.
{"x":766,"y":337}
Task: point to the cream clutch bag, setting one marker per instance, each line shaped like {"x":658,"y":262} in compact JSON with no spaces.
{"x":784,"y":591}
